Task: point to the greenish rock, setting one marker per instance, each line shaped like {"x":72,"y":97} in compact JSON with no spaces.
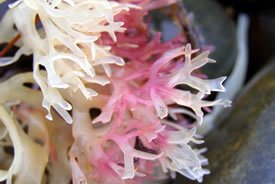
{"x":217,"y":29}
{"x":242,"y":149}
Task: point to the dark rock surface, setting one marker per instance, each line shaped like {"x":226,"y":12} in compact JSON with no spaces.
{"x":242,"y":149}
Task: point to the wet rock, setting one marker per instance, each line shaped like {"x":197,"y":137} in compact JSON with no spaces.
{"x":242,"y":149}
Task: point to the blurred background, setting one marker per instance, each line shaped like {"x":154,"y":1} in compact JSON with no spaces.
{"x":241,"y":149}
